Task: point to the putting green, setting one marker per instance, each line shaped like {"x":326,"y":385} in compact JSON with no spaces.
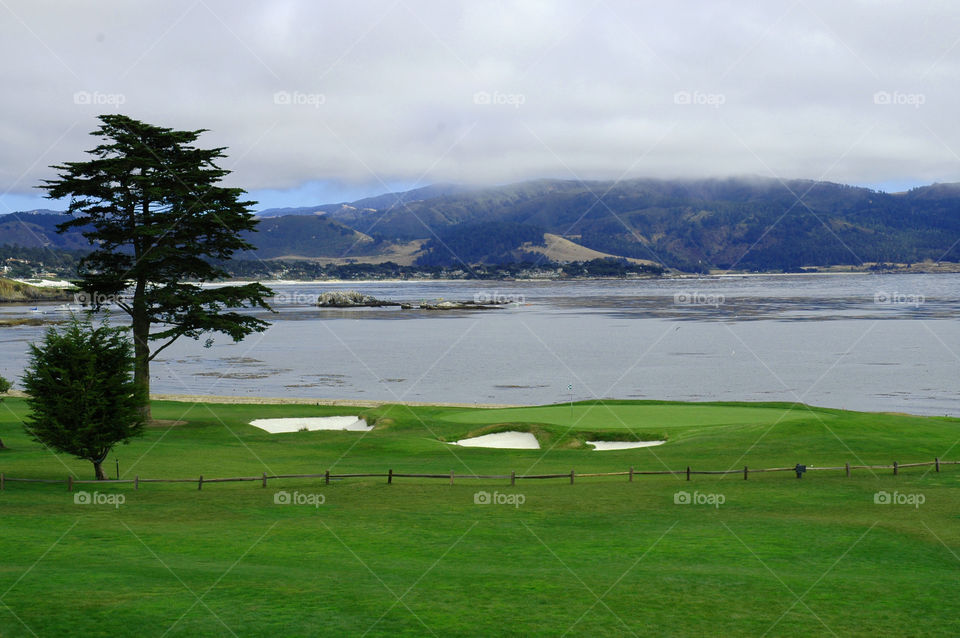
{"x":613,"y":416}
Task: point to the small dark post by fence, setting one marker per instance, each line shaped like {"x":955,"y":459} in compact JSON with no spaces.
{"x":936,"y":462}
{"x":200,"y":482}
{"x":894,"y":468}
{"x":745,"y":472}
{"x":451,"y":477}
{"x":631,"y":474}
{"x":1,"y":480}
{"x":326,"y":477}
{"x":513,"y":479}
{"x":136,"y":482}
{"x":688,"y":472}
{"x":848,"y":470}
{"x":571,"y":477}
{"x":389,"y":477}
{"x":264,"y":479}
{"x":69,"y":483}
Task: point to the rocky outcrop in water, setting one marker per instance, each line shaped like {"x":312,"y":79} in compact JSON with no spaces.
{"x":351,"y":299}
{"x":354,"y":299}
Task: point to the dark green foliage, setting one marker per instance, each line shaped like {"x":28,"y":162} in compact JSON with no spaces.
{"x":82,"y":396}
{"x":151,"y":205}
{"x":487,"y":242}
{"x":57,"y":260}
{"x":608,"y":267}
{"x":306,"y":236}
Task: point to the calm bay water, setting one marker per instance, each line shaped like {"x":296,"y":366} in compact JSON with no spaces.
{"x":863,"y":342}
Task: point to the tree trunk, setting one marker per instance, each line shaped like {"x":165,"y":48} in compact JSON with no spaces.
{"x":98,"y":470}
{"x":141,"y":346}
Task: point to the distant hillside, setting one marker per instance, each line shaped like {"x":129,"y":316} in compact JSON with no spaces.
{"x":378,"y":202}
{"x":483,"y":243}
{"x":299,"y":210}
{"x":307,"y":236}
{"x":748,"y":224}
{"x":37,"y":229}
{"x":292,"y":235}
{"x":756,"y":223}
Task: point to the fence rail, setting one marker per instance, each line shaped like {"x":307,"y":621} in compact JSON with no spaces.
{"x":513,"y":477}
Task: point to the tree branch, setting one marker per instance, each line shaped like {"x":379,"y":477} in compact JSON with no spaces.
{"x":160,"y":349}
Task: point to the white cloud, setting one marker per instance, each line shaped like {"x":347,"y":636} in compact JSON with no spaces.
{"x":388,"y":90}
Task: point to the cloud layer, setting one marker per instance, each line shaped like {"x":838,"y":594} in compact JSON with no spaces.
{"x":402,"y":91}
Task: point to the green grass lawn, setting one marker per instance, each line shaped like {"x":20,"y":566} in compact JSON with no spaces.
{"x":602,"y":557}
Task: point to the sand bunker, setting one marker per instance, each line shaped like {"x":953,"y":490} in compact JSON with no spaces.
{"x":600,"y":446}
{"x":503,"y":440}
{"x":276,"y":426}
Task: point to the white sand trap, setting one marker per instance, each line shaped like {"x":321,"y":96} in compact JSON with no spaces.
{"x":600,"y":446}
{"x":503,"y":440}
{"x":276,"y":426}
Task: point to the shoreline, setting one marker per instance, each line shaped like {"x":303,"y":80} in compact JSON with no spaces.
{"x":679,"y":276}
{"x":247,"y":400}
{"x":361,"y":403}
{"x":226,"y":399}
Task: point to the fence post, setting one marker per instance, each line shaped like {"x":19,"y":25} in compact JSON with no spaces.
{"x":200,"y":483}
{"x":631,"y":474}
{"x":688,"y":472}
{"x":326,"y":477}
{"x":264,"y":480}
{"x":136,"y":482}
{"x":848,"y":470}
{"x":894,"y":468}
{"x":389,"y":477}
{"x":1,"y":480}
{"x":571,"y":477}
{"x":69,"y":482}
{"x":451,"y":477}
{"x":513,"y":478}
{"x":745,"y":472}
{"x":936,"y":462}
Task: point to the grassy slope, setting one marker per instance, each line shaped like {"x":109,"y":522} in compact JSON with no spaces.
{"x":561,"y":249}
{"x":463,"y":569}
{"x":15,"y":291}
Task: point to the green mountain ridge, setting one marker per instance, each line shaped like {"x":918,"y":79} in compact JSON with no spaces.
{"x":757,"y":224}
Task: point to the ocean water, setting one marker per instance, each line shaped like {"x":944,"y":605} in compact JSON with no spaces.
{"x":863,"y":342}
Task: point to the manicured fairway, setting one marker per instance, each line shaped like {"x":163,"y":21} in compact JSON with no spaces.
{"x":603,"y":557}
{"x":641,"y":416}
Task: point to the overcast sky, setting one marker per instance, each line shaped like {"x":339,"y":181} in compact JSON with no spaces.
{"x":324,"y":101}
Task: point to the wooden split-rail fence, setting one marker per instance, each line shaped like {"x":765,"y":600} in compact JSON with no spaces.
{"x":513,"y":477}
